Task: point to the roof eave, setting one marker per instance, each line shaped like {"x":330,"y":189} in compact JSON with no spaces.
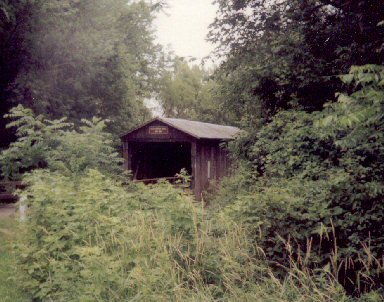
{"x":163,"y":121}
{"x":182,"y":130}
{"x":138,"y":127}
{"x":197,"y":137}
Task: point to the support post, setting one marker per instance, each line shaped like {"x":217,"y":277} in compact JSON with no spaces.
{"x":126,"y":155}
{"x":195,"y":161}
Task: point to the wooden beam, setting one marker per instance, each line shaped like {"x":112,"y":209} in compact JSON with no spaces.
{"x":149,"y":180}
{"x":125,"y":154}
{"x":198,"y":173}
{"x":193,"y":164}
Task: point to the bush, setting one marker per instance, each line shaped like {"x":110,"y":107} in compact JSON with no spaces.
{"x":288,"y":230}
{"x":87,"y":238}
{"x":57,"y":145}
{"x":318,"y":184}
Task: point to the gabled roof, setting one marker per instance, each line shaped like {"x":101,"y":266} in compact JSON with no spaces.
{"x":196,"y":129}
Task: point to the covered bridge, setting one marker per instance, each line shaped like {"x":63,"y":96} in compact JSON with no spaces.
{"x":161,"y":147}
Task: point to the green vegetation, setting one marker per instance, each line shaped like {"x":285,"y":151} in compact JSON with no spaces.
{"x":92,"y":236}
{"x":89,"y":239}
{"x":289,"y":54}
{"x":299,"y":219}
{"x":315,"y":184}
{"x":190,"y":92}
{"x":10,"y":290}
{"x":79,"y":59}
{"x":56,"y":144}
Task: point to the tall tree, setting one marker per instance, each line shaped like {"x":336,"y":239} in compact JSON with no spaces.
{"x":189,"y":92}
{"x":282,"y":54}
{"x":15,"y":18}
{"x":80,"y":58}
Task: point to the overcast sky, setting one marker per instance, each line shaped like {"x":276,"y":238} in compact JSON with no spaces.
{"x":185,"y":27}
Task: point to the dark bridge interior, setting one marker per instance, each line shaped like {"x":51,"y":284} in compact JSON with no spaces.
{"x":156,"y":160}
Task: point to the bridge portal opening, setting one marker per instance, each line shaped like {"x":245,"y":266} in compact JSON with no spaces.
{"x":160,"y":159}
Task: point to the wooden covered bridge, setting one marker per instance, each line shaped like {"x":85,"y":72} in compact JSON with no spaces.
{"x":161,"y":147}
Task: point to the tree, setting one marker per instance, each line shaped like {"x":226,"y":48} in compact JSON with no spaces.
{"x":189,"y":92}
{"x":314,"y":183}
{"x":79,"y":58}
{"x":285,"y":54}
{"x":15,"y":18}
{"x":56,"y":145}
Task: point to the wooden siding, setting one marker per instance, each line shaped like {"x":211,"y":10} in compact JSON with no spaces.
{"x":210,"y":165}
{"x":209,"y":161}
{"x":145,"y":135}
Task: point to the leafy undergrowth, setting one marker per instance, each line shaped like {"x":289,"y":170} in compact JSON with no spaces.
{"x":9,"y":288}
{"x":315,"y":181}
{"x":89,"y":238}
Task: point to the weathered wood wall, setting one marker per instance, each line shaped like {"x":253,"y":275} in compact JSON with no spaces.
{"x":172,"y":135}
{"x":208,"y":159}
{"x":211,"y":163}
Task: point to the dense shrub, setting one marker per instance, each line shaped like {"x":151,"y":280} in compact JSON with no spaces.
{"x":318,"y":183}
{"x":87,"y":238}
{"x":57,"y":145}
{"x":288,"y":230}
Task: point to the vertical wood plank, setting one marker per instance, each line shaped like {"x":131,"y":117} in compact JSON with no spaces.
{"x":222,"y":166}
{"x":204,"y":169}
{"x":211,"y":158}
{"x":209,"y":169}
{"x":225,"y":162}
{"x":130,"y":155}
{"x":214,"y":161}
{"x":208,"y":161}
{"x":193,"y":165}
{"x":198,"y":171}
{"x":125,"y":154}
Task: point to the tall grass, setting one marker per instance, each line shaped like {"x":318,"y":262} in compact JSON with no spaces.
{"x":89,"y":239}
{"x":9,"y":288}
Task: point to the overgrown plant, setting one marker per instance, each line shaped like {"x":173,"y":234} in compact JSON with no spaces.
{"x":290,"y":233}
{"x":317,"y":179}
{"x":57,"y":145}
{"x":87,"y":238}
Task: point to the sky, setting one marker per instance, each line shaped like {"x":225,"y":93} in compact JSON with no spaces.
{"x":184,"y":26}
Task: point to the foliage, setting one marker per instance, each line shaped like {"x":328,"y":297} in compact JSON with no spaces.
{"x":10,"y":291}
{"x":288,"y":54}
{"x":87,"y":238}
{"x":56,"y":144}
{"x":317,"y":183}
{"x":79,"y":59}
{"x":183,"y":177}
{"x":189,"y":92}
{"x":301,"y":222}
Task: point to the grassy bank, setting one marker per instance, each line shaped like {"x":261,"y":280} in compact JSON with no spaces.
{"x":9,"y":289}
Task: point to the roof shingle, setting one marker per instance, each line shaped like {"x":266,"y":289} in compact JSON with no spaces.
{"x":198,"y":130}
